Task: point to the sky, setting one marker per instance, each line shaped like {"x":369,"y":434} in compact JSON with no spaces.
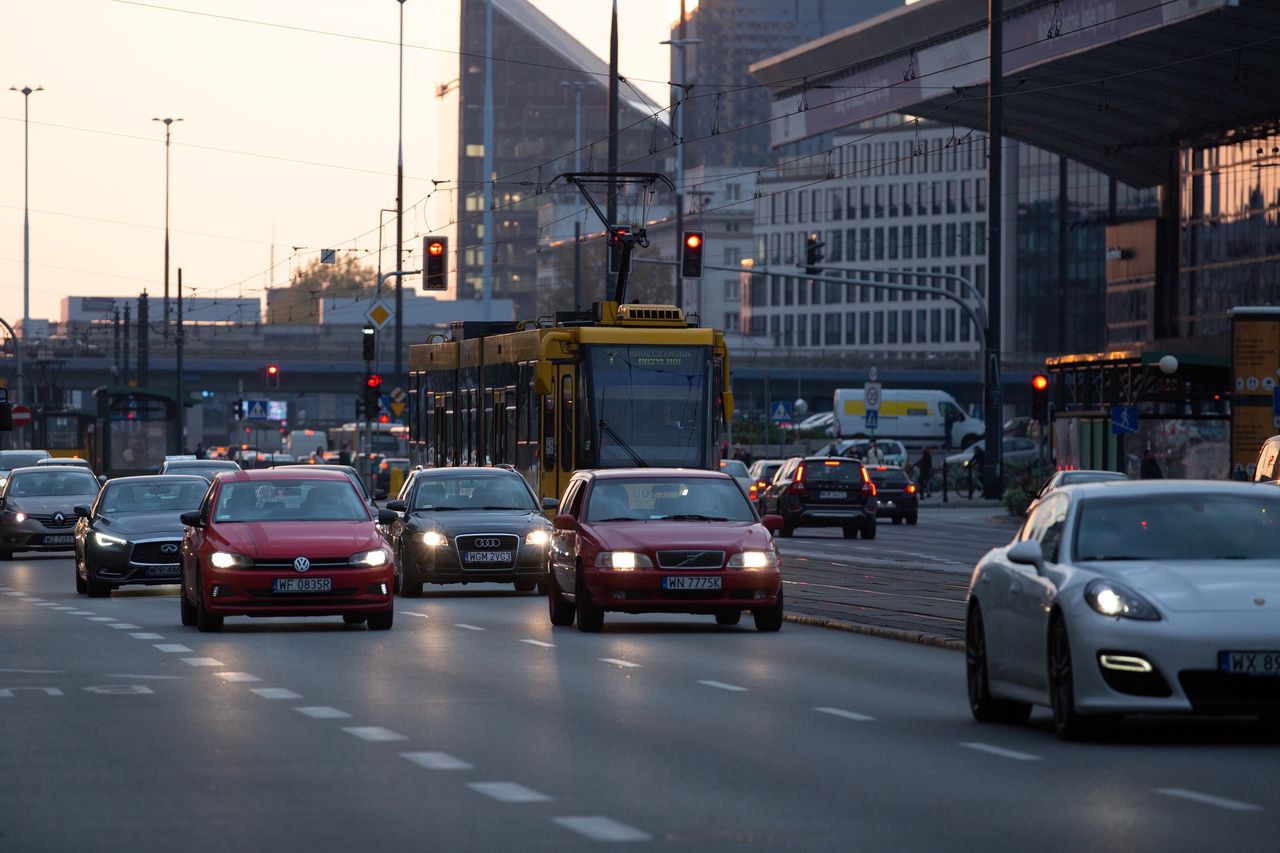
{"x":287,"y":138}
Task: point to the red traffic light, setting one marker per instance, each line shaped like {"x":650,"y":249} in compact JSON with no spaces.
{"x":374,"y":381}
{"x":693,"y":240}
{"x":435,"y":248}
{"x":1040,"y":382}
{"x":272,"y":370}
{"x":384,"y":419}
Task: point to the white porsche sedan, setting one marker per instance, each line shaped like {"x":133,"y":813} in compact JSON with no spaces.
{"x":1144,"y":597}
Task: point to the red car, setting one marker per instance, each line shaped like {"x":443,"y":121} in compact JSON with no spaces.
{"x":285,"y":542}
{"x":648,"y":540}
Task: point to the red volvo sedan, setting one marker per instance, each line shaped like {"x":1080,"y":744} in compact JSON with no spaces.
{"x":646,"y":540}
{"x":285,"y":542}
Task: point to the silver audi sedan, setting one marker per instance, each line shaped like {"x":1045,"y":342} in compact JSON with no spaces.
{"x":1144,"y":597}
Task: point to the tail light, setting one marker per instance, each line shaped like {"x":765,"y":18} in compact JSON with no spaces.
{"x":911,"y":488}
{"x":798,"y":487}
{"x":869,"y":489}
{"x":753,"y":493}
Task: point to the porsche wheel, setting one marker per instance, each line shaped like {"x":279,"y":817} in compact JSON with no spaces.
{"x":982,"y":705}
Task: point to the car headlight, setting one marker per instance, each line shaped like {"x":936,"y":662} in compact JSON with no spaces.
{"x":432,"y":539}
{"x":106,"y":540}
{"x":537,"y":537}
{"x":754,"y":560}
{"x":623,"y":561}
{"x":1112,"y":599}
{"x":376,"y":557}
{"x":19,"y":517}
{"x":228,"y":560}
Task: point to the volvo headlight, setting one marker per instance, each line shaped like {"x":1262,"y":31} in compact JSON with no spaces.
{"x":228,"y":560}
{"x":754,"y":560}
{"x":106,"y":540}
{"x":1112,"y":599}
{"x":376,"y":557}
{"x":432,"y":539}
{"x":537,"y":537}
{"x":623,"y":561}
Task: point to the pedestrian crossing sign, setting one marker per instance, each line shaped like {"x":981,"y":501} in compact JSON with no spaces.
{"x":780,"y":411}
{"x":873,"y":418}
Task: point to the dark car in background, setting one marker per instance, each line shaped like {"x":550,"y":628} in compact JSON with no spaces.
{"x":132,"y":533}
{"x":469,"y":525}
{"x":207,"y":468}
{"x":37,"y":507}
{"x":10,"y":459}
{"x":760,"y":475}
{"x":897,"y":497}
{"x":818,"y":491}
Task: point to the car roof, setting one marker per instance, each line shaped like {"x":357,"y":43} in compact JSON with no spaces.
{"x":292,"y":472}
{"x":1155,"y":488}
{"x":827,"y":459}
{"x":45,"y":469}
{"x":625,"y":473}
{"x":466,"y":470}
{"x":199,"y":463}
{"x":162,"y":479}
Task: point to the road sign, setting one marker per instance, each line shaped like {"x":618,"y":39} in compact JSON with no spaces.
{"x":873,"y":418}
{"x":328,"y":256}
{"x":255,"y":410}
{"x":379,"y":314}
{"x":1124,"y":420}
{"x":780,"y":411}
{"x":397,"y":409}
{"x":21,"y":416}
{"x":397,"y":394}
{"x":871,"y":396}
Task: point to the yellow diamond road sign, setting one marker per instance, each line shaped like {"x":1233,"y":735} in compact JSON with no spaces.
{"x":379,"y":314}
{"x":397,"y":408}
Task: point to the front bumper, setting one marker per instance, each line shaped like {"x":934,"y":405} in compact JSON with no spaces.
{"x":115,"y":564}
{"x":248,"y":592}
{"x":641,"y":591}
{"x":441,"y":565}
{"x":32,"y":535}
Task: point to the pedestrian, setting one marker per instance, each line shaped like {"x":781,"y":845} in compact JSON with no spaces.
{"x":948,"y":423}
{"x":924,"y":470}
{"x":200,"y":450}
{"x":875,"y":456}
{"x":1150,"y":469}
{"x":317,"y":456}
{"x":976,"y":464}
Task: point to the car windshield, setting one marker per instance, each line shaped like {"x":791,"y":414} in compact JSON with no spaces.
{"x":651,"y":499}
{"x":1181,"y":526}
{"x":52,"y":483}
{"x":767,"y":472}
{"x":1076,"y":477}
{"x":484,"y":491}
{"x":832,"y":471}
{"x":154,"y":496}
{"x":733,"y":467}
{"x":888,"y":476}
{"x":289,"y":500}
{"x":10,"y":459}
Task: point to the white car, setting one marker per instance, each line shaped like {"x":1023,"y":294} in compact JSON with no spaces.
{"x":894,"y":451}
{"x":1014,"y":450}
{"x":737,"y":469}
{"x":1135,"y":597}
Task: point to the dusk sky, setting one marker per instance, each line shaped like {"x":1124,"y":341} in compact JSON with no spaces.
{"x":284,"y":126}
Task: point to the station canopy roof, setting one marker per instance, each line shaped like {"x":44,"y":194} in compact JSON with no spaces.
{"x":1114,"y":84}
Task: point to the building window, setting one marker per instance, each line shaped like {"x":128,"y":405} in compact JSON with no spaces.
{"x":879,"y":327}
{"x":773,"y":210}
{"x":834,"y":246}
{"x":815,"y":330}
{"x":731,"y":290}
{"x":879,"y":251}
{"x":893,"y":244}
{"x":866,"y":244}
{"x":951,"y":196}
{"x":980,"y":238}
{"x":790,"y":255}
{"x":775,"y":291}
{"x":966,"y":238}
{"x":831,"y":330}
{"x":906,"y":242}
{"x":851,"y":244}
{"x":935,"y":239}
{"x":935,"y":326}
{"x":850,"y":202}
{"x":879,"y":158}
{"x":879,"y":191}
{"x":936,"y":198}
{"x":835,"y":207}
{"x":922,"y":241}
{"x":920,"y":327}
{"x":964,"y":327}
{"x":850,"y":328}
{"x":788,"y":291}
{"x":906,"y":327}
{"x":951,"y":327}
{"x":908,"y":209}
{"x":864,"y":195}
{"x":893,"y":158}
{"x":893,"y":200}
{"x":864,"y":328}
{"x":980,"y":195}
{"x":802,"y":329}
{"x":474,"y":150}
{"x":964,"y":196}
{"x":802,"y":291}
{"x":893,"y":327}
{"x":774,"y":331}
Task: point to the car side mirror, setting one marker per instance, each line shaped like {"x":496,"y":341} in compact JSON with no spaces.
{"x":550,"y":503}
{"x":81,"y":511}
{"x":192,"y":518}
{"x":772,"y":523}
{"x":396,"y":506}
{"x":565,"y":522}
{"x":388,"y":516}
{"x":102,"y":478}
{"x":1027,"y":553}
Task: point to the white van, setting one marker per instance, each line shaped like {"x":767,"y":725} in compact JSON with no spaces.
{"x":910,"y":415}
{"x":300,"y":443}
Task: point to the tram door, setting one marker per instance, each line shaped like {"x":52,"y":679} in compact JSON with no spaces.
{"x":559,"y":409}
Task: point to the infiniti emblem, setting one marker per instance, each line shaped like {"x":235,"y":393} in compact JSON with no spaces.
{"x":1259,"y":601}
{"x":169,"y":548}
{"x":58,"y":518}
{"x":301,"y":564}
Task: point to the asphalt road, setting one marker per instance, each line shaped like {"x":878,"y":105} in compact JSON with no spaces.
{"x":473,"y":725}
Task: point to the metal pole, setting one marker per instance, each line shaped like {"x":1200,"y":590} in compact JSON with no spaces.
{"x":610,"y":278}
{"x":180,"y":443}
{"x":577,"y":265}
{"x":486,"y":239}
{"x":399,"y":334}
{"x":26,"y":234}
{"x":124,"y":373}
{"x":577,"y":167}
{"x":992,"y":467}
{"x":168,"y":124}
{"x":679,"y":107}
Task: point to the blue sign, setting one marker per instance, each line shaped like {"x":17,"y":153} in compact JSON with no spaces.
{"x":255,"y":410}
{"x":780,"y":411}
{"x":873,"y":418}
{"x":1124,"y":420}
{"x":328,"y":256}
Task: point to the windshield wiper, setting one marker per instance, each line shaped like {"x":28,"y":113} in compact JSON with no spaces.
{"x":691,"y":517}
{"x":1101,"y":557}
{"x":605,"y":428}
{"x":438,"y":509}
{"x":509,"y":508}
{"x":615,"y":518}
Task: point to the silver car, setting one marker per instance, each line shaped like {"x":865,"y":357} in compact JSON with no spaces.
{"x":37,"y":507}
{"x":10,"y":459}
{"x":1117,"y":598}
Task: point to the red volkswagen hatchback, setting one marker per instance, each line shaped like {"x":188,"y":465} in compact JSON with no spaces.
{"x":285,"y":542}
{"x":645,"y":540}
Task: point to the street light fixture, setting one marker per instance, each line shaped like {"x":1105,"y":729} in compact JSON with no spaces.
{"x":168,"y":123}
{"x":26,"y":225}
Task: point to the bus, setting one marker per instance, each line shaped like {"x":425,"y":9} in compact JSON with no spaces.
{"x":619,"y":386}
{"x":384,"y":439}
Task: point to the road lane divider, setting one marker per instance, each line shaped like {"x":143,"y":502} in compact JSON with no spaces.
{"x":509,"y":792}
{"x":436,"y":761}
{"x":599,"y":828}
{"x":1209,"y":800}
{"x":373,"y":734}
{"x":544,"y":645}
{"x":464,"y":626}
{"x":124,"y":626}
{"x":275,"y":693}
{"x":322,"y":712}
{"x":992,"y":749}
{"x":237,"y":676}
{"x":203,"y":662}
{"x":147,"y":635}
{"x":620,"y":662}
{"x":173,"y":648}
{"x":848,"y":715}
{"x":720,"y":685}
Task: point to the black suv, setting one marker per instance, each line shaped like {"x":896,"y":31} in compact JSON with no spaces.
{"x":823,"y":491}
{"x":896,"y":495}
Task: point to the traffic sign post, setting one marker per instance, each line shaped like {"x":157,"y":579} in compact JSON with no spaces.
{"x":780,"y":412}
{"x":21,"y":416}
{"x":871,"y":399}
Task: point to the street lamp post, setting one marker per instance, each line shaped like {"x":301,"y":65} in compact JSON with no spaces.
{"x":399,"y":335}
{"x":680,"y":44}
{"x":26,"y":226}
{"x":168,"y":124}
{"x":577,"y":167}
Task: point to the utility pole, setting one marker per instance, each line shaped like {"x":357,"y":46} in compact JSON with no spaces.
{"x":612,"y":207}
{"x":992,"y":466}
{"x":486,"y":239}
{"x":679,"y":43}
{"x":577,"y":167}
{"x":180,"y":437}
{"x":124,"y":372}
{"x":399,"y":334}
{"x":164,"y":323}
{"x":26,"y":229}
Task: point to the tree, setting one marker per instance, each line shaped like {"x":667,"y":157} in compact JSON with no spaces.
{"x":299,"y":302}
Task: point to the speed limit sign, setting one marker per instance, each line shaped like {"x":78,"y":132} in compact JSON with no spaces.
{"x":871,"y":396}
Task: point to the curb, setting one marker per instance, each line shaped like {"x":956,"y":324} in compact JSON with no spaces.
{"x":878,"y":631}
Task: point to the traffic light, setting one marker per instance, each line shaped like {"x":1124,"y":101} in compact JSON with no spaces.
{"x":6,"y":414}
{"x":1040,"y":398}
{"x":273,"y":376}
{"x":691,"y":255}
{"x":813,"y":254}
{"x":372,"y":389}
{"x":435,"y":253}
{"x":237,"y":409}
{"x":616,"y":239}
{"x":369,"y":343}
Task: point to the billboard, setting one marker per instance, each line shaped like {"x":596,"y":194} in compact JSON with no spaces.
{"x":1255,"y":380}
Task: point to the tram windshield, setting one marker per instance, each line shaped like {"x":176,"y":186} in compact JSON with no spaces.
{"x":650,"y":405}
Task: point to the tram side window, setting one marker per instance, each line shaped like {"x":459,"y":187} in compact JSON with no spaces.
{"x":566,"y":424}
{"x":508,"y":445}
{"x":549,"y":430}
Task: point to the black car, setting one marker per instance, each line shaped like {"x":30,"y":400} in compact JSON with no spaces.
{"x":469,"y":525}
{"x":896,"y":494}
{"x":823,"y":491}
{"x":207,"y":468}
{"x":132,"y":534}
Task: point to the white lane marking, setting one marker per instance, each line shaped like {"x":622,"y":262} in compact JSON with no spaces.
{"x":275,"y":693}
{"x":436,"y":760}
{"x":720,"y":685}
{"x":124,"y":626}
{"x":34,"y":671}
{"x":466,"y":627}
{"x":322,"y":712}
{"x":34,"y":600}
{"x":102,"y":619}
{"x":65,"y":607}
{"x":539,"y":643}
{"x":237,"y":676}
{"x":620,"y":662}
{"x":147,"y":635}
{"x":509,"y":792}
{"x":599,"y":828}
{"x":80,"y":612}
{"x":991,"y":749}
{"x":203,"y":662}
{"x":44,"y":603}
{"x":373,"y":733}
{"x":135,"y":675}
{"x":411,"y":613}
{"x":1209,"y":800}
{"x":848,"y":715}
{"x":18,"y":594}
{"x":172,"y":647}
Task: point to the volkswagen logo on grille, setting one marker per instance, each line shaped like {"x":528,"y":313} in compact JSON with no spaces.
{"x":301,"y":564}
{"x":488,"y":542}
{"x":58,"y":518}
{"x":169,"y":548}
